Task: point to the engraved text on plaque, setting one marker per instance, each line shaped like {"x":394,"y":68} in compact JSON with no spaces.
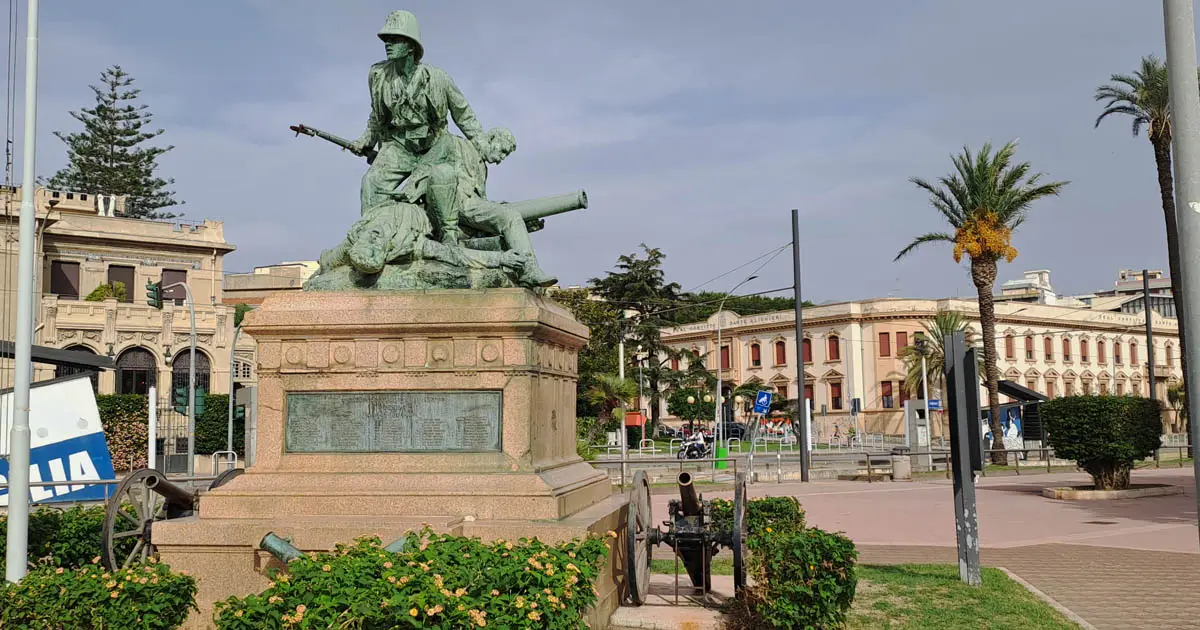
{"x":393,"y":422}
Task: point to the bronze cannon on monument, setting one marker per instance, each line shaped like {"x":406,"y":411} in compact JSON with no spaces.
{"x":691,"y":533}
{"x":533,"y":211}
{"x":143,"y":498}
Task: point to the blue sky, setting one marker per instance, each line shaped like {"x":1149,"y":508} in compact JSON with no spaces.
{"x":694,"y":127}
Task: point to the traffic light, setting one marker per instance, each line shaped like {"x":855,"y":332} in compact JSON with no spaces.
{"x":201,"y":396}
{"x":239,"y":412}
{"x":154,"y":295}
{"x":180,"y":400}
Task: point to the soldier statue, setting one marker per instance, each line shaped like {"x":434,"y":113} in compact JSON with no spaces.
{"x":418,"y":166}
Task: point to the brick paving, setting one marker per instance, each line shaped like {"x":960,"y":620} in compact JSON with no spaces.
{"x":1116,"y":564}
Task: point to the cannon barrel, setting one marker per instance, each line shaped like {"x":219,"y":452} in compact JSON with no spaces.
{"x":690,"y":502}
{"x":279,"y":548}
{"x":542,"y":207}
{"x":174,"y":494}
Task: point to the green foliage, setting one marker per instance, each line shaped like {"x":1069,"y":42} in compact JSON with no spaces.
{"x":943,"y":323}
{"x":801,"y":579}
{"x":779,"y":515}
{"x":112,"y":289}
{"x":148,"y":596}
{"x":1104,"y":434}
{"x":212,"y":426}
{"x":706,"y":303}
{"x":61,"y":538}
{"x":678,"y":405}
{"x":239,"y":313}
{"x":108,"y":156}
{"x":125,"y":418}
{"x":439,"y":581}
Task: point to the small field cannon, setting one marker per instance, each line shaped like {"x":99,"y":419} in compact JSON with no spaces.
{"x":142,"y":498}
{"x":690,"y":531}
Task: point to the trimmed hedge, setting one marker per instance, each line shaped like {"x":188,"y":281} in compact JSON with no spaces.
{"x":125,"y":418}
{"x":61,"y":538}
{"x":439,"y":581}
{"x":1104,"y":434}
{"x":148,"y":596}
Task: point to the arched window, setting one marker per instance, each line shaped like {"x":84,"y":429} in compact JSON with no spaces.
{"x":755,"y":355}
{"x":67,"y":370}
{"x":136,"y":370}
{"x":1133,"y":357}
{"x":179,"y":371}
{"x":1170,"y":356}
{"x":807,"y":350}
{"x":1029,"y":350}
{"x":780,"y":352}
{"x":1048,"y":348}
{"x":1101,"y":352}
{"x":1066,"y":350}
{"x":834,"y":348}
{"x":1117,"y":352}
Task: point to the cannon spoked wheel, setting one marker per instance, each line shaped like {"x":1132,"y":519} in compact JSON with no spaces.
{"x":637,"y":537}
{"x":130,"y":515}
{"x":740,"y":532}
{"x":224,"y":477}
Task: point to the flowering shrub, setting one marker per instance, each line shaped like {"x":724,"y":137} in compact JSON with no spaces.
{"x":801,"y":577}
{"x":148,"y":596}
{"x":61,"y":538}
{"x":125,"y":419}
{"x":439,"y":581}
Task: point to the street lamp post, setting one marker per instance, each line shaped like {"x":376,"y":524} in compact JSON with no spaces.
{"x":921,"y":347}
{"x":720,"y":434}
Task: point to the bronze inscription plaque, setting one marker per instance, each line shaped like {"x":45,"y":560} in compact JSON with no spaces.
{"x":393,"y":422}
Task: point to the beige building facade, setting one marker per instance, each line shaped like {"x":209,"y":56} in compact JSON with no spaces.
{"x":851,"y":351}
{"x":84,"y":243}
{"x":252,"y":288}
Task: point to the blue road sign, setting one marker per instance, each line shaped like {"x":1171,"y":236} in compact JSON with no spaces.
{"x":762,"y":402}
{"x":935,"y":404}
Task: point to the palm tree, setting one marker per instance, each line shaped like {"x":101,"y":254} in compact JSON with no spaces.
{"x":1144,"y":97}
{"x":984,"y":200}
{"x":608,"y":392}
{"x":943,"y":323}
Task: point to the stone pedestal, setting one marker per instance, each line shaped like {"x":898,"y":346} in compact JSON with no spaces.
{"x":383,"y":412}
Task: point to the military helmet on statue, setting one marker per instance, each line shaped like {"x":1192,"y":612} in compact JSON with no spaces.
{"x":403,"y":24}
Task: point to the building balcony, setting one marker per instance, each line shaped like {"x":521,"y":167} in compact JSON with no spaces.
{"x":1162,"y":371}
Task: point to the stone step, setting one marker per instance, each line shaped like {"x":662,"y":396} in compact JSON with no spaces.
{"x":660,"y":612}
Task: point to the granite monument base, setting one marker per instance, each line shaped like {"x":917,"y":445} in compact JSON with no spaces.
{"x":380,"y":413}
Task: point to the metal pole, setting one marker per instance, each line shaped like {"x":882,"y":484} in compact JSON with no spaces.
{"x":191,"y":391}
{"x":17,"y":537}
{"x":1185,"y":112}
{"x":152,"y":428}
{"x":232,"y":350}
{"x":925,"y":391}
{"x":801,"y":419}
{"x":621,"y":425}
{"x":717,"y":397}
{"x":960,"y":376}
{"x":1149,"y":331}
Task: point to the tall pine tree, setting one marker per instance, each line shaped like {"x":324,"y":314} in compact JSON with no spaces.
{"x":108,"y":156}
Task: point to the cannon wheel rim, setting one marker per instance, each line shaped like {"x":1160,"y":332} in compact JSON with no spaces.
{"x":740,"y":532}
{"x":637,"y":539}
{"x":224,"y":477}
{"x":148,"y":507}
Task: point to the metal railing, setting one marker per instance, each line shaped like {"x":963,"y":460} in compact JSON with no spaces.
{"x":624,"y":464}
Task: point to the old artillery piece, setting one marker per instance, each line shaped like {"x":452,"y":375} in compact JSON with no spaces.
{"x":143,"y":498}
{"x":691,"y":532}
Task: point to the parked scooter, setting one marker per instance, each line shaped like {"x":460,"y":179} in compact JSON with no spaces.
{"x":697,"y":446}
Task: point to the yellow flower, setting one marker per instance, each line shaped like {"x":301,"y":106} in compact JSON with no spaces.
{"x":460,"y":592}
{"x":533,"y":615}
{"x":553,"y":599}
{"x":113,"y":594}
{"x":387,"y":565}
{"x":392,"y":579}
{"x":301,"y":608}
{"x":495,"y":593}
{"x":383,"y":604}
{"x":550,"y":571}
{"x":571,"y":553}
{"x":404,"y":580}
{"x":571,"y":566}
{"x":59,"y":570}
{"x":412,"y":612}
{"x":96,"y":560}
{"x":769,"y":530}
{"x":520,"y":603}
{"x":274,"y":598}
{"x":326,"y":568}
{"x":111,"y":583}
{"x":508,"y":546}
{"x":533,"y":604}
{"x":612,"y":534}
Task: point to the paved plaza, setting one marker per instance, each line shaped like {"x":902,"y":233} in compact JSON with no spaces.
{"x":1131,"y":563}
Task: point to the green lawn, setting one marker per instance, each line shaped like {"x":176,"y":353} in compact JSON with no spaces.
{"x":932,"y":597}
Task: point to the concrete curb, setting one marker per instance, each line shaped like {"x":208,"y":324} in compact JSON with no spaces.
{"x":1066,"y":612}
{"x":1076,"y":493}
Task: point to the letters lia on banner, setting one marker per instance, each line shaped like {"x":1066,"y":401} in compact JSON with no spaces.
{"x":67,"y":441}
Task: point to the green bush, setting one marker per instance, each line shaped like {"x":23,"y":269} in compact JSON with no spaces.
{"x":61,"y":538}
{"x":439,"y":581}
{"x":1104,"y":434}
{"x":105,"y":291}
{"x":212,"y":427}
{"x":803,"y":579}
{"x":125,"y":418}
{"x":764,"y":516}
{"x":148,"y":596}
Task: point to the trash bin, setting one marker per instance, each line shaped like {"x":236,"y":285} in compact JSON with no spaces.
{"x":901,"y":464}
{"x":722,"y":452}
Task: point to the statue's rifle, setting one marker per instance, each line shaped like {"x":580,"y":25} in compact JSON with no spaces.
{"x":346,"y":145}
